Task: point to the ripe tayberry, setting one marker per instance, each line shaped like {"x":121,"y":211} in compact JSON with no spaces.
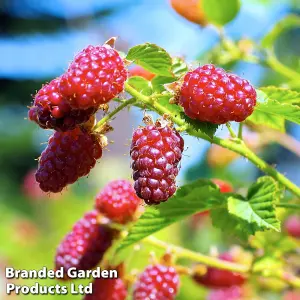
{"x":118,"y":201}
{"x":140,"y":71}
{"x":157,"y":282}
{"x":68,"y":156}
{"x":96,"y":76}
{"x":108,"y":289}
{"x":210,"y":94}
{"x":156,"y":151}
{"x":85,"y":245}
{"x":51,"y":110}
{"x":190,"y":10}
{"x":217,"y":278}
{"x":292,"y":226}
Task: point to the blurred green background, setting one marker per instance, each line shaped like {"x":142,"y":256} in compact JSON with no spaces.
{"x":37,"y":40}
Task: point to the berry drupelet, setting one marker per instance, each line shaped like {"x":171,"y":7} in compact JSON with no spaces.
{"x":156,"y":152}
{"x":209,"y":94}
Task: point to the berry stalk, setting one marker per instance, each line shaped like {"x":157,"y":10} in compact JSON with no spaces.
{"x":235,"y":145}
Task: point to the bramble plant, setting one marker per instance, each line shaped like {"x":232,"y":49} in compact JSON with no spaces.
{"x":191,"y":101}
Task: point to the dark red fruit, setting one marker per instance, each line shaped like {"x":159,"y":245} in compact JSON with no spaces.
{"x":231,"y":293}
{"x":108,"y":289}
{"x":96,"y":76}
{"x":50,"y":109}
{"x":156,"y":152}
{"x":140,"y":71}
{"x":217,"y":278}
{"x":292,"y":226}
{"x":31,"y":187}
{"x":68,"y":156}
{"x":157,"y":282}
{"x":224,"y":186}
{"x":85,"y":245}
{"x":209,"y":94}
{"x":118,"y":201}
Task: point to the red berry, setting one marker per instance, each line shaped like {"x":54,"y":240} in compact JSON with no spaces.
{"x":51,"y":110}
{"x":209,"y":94}
{"x":224,"y":186}
{"x":292,"y":226}
{"x":85,"y":245}
{"x":156,"y":152}
{"x":231,"y":293}
{"x":157,"y":282}
{"x":217,"y":278}
{"x":140,"y":71}
{"x":108,"y":289}
{"x":118,"y":201}
{"x":96,"y":76}
{"x":68,"y":156}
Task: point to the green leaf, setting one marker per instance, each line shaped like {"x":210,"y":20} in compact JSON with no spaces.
{"x":232,"y":225}
{"x":179,"y":68}
{"x":220,"y":12}
{"x":259,"y":207}
{"x":289,"y":22}
{"x":205,"y":127}
{"x":266,"y":264}
{"x":189,"y":199}
{"x":244,"y":217}
{"x":281,"y":95}
{"x":140,"y":84}
{"x":151,"y":57}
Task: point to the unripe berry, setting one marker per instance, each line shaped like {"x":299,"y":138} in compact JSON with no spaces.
{"x":217,"y":278}
{"x":96,"y":76}
{"x":190,"y":10}
{"x":118,"y":201}
{"x":140,"y":71}
{"x":157,"y":282}
{"x":209,"y":94}
{"x":292,"y":226}
{"x":156,"y":152}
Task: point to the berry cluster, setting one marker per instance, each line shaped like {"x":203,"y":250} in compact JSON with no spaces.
{"x":156,"y":152}
{"x":209,"y":94}
{"x":96,"y":75}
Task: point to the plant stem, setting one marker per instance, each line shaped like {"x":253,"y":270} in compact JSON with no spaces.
{"x":232,"y":133}
{"x":240,"y":133}
{"x":237,"y":146}
{"x":197,"y":257}
{"x":109,"y":116}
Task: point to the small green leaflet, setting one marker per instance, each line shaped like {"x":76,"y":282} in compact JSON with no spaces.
{"x":282,"y":95}
{"x":189,"y":199}
{"x":151,"y":57}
